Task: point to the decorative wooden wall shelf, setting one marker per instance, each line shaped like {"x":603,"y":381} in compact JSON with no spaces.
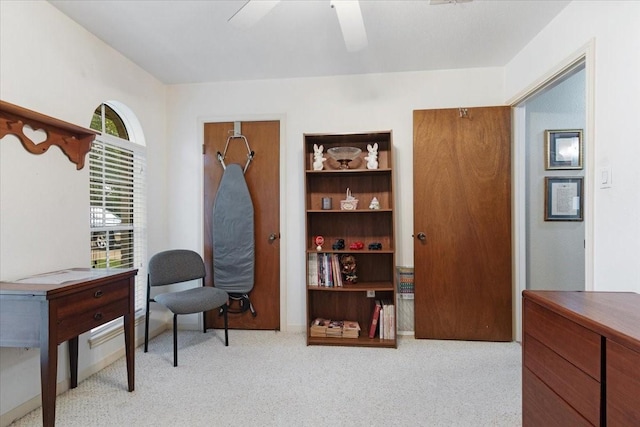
{"x":74,"y":141}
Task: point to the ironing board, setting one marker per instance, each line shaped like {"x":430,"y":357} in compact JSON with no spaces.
{"x":233,"y":233}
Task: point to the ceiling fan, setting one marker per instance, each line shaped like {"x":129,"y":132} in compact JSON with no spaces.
{"x":348,"y":11}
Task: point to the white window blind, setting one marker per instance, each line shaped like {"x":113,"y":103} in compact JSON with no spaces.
{"x":118,"y":207}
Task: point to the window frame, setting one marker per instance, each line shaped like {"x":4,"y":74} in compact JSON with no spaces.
{"x":137,"y":224}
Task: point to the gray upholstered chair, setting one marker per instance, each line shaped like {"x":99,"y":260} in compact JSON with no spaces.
{"x":176,"y":266}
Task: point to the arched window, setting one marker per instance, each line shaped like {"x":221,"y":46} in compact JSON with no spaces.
{"x":117,"y":194}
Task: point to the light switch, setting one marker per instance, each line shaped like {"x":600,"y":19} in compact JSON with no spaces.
{"x":605,"y":177}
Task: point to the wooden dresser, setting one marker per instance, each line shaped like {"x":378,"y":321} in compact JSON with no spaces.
{"x":581,"y":358}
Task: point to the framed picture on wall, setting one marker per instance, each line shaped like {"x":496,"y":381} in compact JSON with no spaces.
{"x":563,"y":149}
{"x":563,"y":198}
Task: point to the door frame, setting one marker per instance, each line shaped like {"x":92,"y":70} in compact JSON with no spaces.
{"x":283,"y":148}
{"x":584,"y":55}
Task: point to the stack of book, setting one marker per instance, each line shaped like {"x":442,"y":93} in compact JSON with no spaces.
{"x":350,"y":329}
{"x":334,"y":328}
{"x":319,"y":327}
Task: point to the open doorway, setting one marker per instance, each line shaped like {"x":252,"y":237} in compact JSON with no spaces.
{"x":555,"y":249}
{"x":552,"y":254}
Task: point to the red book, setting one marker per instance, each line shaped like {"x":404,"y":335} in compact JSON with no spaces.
{"x":374,"y":320}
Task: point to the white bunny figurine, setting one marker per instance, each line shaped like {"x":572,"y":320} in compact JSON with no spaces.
{"x":318,"y":160}
{"x":372,"y":158}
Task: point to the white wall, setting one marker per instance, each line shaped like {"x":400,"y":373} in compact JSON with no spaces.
{"x":614,"y":27}
{"x":331,"y":104}
{"x":51,"y":65}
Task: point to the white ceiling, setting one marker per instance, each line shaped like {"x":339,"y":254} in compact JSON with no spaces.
{"x":191,"y":41}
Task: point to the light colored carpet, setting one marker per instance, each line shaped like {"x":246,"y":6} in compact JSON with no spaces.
{"x":268,"y":378}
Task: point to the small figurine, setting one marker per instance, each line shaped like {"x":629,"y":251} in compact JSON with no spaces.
{"x":319,"y":240}
{"x":375,"y":204}
{"x":372,"y":157}
{"x":318,"y":160}
{"x":338,"y":245}
{"x":348,"y":268}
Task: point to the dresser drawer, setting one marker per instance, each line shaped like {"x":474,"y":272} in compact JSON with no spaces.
{"x":575,"y":387}
{"x":623,"y":385}
{"x":82,"y":322}
{"x":92,"y":298}
{"x":578,"y":345}
{"x":542,"y":407}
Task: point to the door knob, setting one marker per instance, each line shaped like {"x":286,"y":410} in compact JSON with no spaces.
{"x":422,"y":236}
{"x":272,"y":237}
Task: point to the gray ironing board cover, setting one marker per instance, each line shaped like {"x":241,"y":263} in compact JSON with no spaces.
{"x":233,"y":233}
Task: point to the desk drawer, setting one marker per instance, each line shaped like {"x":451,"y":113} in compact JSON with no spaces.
{"x":542,"y":407}
{"x":623,"y":385}
{"x":570,"y":383}
{"x":92,"y":298}
{"x":573,"y":342}
{"x":82,"y":322}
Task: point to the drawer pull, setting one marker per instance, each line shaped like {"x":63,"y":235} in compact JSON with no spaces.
{"x":98,"y":294}
{"x":97,"y":316}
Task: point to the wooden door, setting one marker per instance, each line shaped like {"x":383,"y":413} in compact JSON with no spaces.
{"x":462,"y":223}
{"x":262,"y":177}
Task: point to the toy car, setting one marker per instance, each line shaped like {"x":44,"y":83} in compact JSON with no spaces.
{"x":356,"y":245}
{"x":375,"y":246}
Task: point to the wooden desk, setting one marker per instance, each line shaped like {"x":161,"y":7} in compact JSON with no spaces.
{"x":44,"y":315}
{"x":581,"y":358}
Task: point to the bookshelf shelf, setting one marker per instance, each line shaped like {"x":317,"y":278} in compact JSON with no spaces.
{"x":376,"y":278}
{"x":361,"y":341}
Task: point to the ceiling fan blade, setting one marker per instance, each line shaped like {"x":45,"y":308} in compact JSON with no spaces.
{"x":251,"y":12}
{"x":351,"y":24}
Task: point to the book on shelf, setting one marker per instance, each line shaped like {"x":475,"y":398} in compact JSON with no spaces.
{"x":312,"y":268}
{"x":374,"y":320}
{"x":381,"y":321}
{"x":337,"y":274}
{"x":388,"y":328}
{"x":328,"y":275}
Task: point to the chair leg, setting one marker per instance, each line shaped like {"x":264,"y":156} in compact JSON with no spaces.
{"x":226,"y":326}
{"x":204,"y":322}
{"x":175,"y":340}
{"x":146,"y":328}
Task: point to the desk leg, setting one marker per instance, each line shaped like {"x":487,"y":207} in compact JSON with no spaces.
{"x":73,"y":361}
{"x":48,"y":366}
{"x":129,"y":347}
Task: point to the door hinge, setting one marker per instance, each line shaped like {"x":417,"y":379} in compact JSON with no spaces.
{"x":204,"y":149}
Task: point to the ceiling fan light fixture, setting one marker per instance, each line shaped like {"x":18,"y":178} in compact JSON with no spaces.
{"x":437,"y":2}
{"x":351,"y":24}
{"x":251,"y":12}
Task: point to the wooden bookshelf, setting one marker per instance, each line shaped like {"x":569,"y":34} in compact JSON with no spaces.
{"x":375,"y":267}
